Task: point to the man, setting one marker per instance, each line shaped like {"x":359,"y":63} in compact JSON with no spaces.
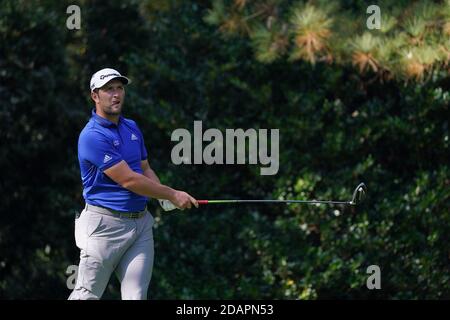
{"x":114,"y":231}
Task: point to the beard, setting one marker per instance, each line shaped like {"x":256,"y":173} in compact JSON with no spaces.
{"x":113,"y":110}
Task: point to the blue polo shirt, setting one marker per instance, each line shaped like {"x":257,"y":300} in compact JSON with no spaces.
{"x":101,"y":145}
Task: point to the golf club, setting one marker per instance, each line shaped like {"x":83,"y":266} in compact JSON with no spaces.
{"x":357,"y":197}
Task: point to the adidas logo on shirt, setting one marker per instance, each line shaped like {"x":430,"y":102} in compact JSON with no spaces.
{"x":133,"y":137}
{"x":106,"y":158}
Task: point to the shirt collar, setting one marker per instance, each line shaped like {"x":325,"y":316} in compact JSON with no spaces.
{"x":104,"y":122}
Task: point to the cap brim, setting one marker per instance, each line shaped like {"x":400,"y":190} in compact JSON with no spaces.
{"x":124,"y":80}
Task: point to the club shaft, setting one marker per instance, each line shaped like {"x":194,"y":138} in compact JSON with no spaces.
{"x":356,"y":199}
{"x":273,"y":201}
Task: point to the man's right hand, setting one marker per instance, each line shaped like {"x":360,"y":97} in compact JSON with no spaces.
{"x":183,"y":200}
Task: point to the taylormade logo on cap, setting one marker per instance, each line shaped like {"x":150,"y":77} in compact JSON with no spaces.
{"x":109,"y":75}
{"x":100,"y":78}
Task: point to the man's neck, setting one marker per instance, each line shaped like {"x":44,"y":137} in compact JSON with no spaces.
{"x":112,"y":118}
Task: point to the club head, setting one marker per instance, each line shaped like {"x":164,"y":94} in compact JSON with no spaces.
{"x":359,"y":194}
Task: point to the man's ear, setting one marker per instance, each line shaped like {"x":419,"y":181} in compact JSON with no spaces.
{"x":94,"y":96}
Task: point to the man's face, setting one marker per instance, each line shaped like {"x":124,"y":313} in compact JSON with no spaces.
{"x":110,"y":97}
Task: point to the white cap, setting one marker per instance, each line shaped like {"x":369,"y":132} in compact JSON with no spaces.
{"x":101,"y":77}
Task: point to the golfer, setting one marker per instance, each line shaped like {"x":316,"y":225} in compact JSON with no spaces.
{"x":114,"y":231}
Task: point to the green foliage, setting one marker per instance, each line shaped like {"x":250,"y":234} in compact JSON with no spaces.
{"x":412,"y":35}
{"x":337,"y":127}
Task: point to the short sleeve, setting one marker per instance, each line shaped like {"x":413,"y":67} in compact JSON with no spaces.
{"x":95,"y":148}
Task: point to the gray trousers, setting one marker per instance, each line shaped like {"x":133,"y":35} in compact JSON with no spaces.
{"x":113,"y":244}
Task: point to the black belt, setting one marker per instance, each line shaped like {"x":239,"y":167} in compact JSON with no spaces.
{"x":115,"y":213}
